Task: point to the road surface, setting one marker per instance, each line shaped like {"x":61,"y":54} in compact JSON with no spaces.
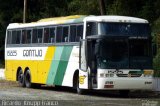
{"x":11,"y":93}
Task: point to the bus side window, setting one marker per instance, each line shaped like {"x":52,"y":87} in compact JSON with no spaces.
{"x":24,"y":36}
{"x":65,"y":34}
{"x":34,"y":36}
{"x":92,"y":28}
{"x":9,"y":37}
{"x":59,"y":34}
{"x":29,"y":33}
{"x":73,"y":33}
{"x":15,"y":37}
{"x":18,"y":37}
{"x":52,"y":35}
{"x":46,"y":35}
{"x":79,"y":33}
{"x":40,"y":33}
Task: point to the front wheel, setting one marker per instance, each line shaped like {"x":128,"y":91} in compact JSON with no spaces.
{"x":79,"y":90}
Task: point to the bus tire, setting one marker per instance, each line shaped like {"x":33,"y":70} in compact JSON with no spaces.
{"x":27,"y":78}
{"x":79,"y":90}
{"x":20,"y":78}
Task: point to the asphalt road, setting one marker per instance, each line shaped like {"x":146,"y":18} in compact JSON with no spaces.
{"x":11,"y":93}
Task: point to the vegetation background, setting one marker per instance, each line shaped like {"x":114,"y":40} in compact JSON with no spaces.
{"x":11,"y":11}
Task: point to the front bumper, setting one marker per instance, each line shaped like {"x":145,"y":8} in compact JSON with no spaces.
{"x":125,"y":83}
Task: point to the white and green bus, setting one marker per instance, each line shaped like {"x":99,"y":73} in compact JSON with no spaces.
{"x":84,"y":52}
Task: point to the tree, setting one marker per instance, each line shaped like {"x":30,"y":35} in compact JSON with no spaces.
{"x":102,"y":7}
{"x":84,"y":7}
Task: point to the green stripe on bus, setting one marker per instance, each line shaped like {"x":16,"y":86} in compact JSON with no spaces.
{"x":54,"y":65}
{"x":63,"y":65}
{"x":59,"y":65}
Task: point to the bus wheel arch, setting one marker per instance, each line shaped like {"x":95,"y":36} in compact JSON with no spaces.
{"x":20,"y":77}
{"x":76,"y":82}
{"x":75,"y":76}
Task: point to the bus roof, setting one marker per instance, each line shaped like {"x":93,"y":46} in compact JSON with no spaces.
{"x":49,"y":21}
{"x":113,"y":18}
{"x":77,"y":19}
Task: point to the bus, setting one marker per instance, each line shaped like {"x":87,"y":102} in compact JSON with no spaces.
{"x":83,"y":52}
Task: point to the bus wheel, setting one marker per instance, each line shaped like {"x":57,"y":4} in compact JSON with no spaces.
{"x":124,"y":93}
{"x":28,"y":79}
{"x":79,"y":90}
{"x":21,"y":79}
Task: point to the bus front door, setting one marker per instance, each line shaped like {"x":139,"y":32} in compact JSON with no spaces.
{"x":88,"y":64}
{"x":83,"y":65}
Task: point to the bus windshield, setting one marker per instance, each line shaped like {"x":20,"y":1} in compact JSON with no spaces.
{"x":113,"y":54}
{"x":124,"y":29}
{"x":140,"y":54}
{"x":123,"y":54}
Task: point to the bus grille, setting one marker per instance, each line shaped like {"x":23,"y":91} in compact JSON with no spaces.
{"x":129,"y":75}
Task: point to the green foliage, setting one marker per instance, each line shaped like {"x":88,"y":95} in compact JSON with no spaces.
{"x":156,"y":26}
{"x":84,"y":7}
{"x":156,"y":64}
{"x":156,"y":40}
{"x":116,"y":8}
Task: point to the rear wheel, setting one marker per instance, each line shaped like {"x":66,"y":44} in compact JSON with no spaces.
{"x":21,"y":79}
{"x":28,"y":79}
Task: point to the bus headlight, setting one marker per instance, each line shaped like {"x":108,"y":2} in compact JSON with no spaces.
{"x":148,"y":73}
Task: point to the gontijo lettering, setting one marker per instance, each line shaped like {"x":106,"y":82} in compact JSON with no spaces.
{"x":32,"y":53}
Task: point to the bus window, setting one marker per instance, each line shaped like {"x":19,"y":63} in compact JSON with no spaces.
{"x":65,"y":34}
{"x":26,"y":36}
{"x":92,"y":28}
{"x":29,"y":33}
{"x":40,"y":33}
{"x":9,"y":37}
{"x":58,"y":34}
{"x":15,"y":38}
{"x":18,"y":37}
{"x":52,"y":35}
{"x":34,"y":36}
{"x":79,"y":33}
{"x":73,"y":33}
{"x":46,"y":35}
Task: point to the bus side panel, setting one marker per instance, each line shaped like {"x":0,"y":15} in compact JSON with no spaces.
{"x":59,"y":65}
{"x":8,"y":70}
{"x":32,"y":65}
{"x":44,"y":66}
{"x":73,"y":65}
